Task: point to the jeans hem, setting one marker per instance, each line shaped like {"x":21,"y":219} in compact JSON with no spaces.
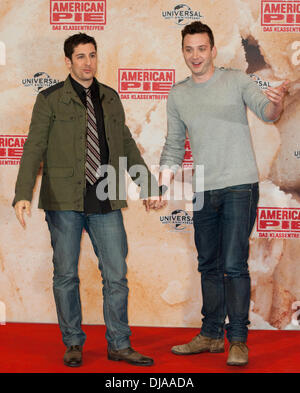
{"x":215,"y":337}
{"x":238,"y":339}
{"x":123,"y":345}
{"x":74,"y":343}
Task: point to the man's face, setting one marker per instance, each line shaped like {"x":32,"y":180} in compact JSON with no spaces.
{"x":83,"y":66}
{"x":199,"y":56}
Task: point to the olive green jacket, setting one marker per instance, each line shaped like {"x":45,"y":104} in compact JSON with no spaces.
{"x":57,"y":138}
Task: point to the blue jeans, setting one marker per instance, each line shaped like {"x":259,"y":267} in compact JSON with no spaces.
{"x":222,"y":231}
{"x":109,"y":241}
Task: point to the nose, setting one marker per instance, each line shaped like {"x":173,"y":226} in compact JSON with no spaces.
{"x":195,"y":54}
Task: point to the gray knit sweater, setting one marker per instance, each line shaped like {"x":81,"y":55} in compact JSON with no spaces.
{"x":214,"y":115}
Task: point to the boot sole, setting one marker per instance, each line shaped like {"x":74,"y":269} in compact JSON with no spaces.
{"x":72,"y":365}
{"x":117,"y":359}
{"x":195,"y":353}
{"x":237,"y":364}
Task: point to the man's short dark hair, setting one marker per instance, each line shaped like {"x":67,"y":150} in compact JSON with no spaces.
{"x":196,"y":28}
{"x":75,"y":40}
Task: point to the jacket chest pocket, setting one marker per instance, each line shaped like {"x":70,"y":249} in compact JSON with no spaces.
{"x":61,"y":150}
{"x":63,"y":127}
{"x":63,"y":117}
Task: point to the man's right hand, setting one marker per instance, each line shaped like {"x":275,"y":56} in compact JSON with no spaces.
{"x":19,"y":209}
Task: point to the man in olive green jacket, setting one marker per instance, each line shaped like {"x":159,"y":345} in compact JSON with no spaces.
{"x":57,"y":137}
{"x":62,"y":119}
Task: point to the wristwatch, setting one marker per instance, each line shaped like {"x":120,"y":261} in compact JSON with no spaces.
{"x":162,"y":189}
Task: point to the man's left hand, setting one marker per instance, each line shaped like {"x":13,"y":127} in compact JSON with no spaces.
{"x":154,"y":203}
{"x":277,"y":94}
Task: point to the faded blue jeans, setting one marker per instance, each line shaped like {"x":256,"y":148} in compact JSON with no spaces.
{"x":222,"y":231}
{"x":109,"y":241}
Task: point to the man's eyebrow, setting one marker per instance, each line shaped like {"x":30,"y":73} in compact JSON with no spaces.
{"x":196,"y":46}
{"x":82,"y":54}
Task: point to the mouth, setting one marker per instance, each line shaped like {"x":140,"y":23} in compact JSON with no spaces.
{"x":196,"y":64}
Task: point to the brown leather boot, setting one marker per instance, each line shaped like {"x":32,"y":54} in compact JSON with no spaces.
{"x":238,"y":354}
{"x":73,"y":356}
{"x":200,"y":344}
{"x":130,"y":356}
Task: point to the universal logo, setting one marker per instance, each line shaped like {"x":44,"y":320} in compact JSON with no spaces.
{"x":39,"y":81}
{"x":261,"y":83}
{"x":182,"y":14}
{"x":264,"y":84}
{"x":179,"y":220}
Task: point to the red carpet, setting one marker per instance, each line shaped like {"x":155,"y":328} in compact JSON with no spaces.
{"x":37,"y":348}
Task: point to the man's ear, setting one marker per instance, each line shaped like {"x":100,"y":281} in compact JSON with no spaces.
{"x":214,"y":52}
{"x":68,"y":62}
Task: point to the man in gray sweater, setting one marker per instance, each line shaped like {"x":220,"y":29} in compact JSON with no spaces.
{"x":211,"y":105}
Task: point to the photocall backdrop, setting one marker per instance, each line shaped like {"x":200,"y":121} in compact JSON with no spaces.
{"x":140,"y":57}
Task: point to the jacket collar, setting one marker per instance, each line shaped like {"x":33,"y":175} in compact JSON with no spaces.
{"x":69,"y":93}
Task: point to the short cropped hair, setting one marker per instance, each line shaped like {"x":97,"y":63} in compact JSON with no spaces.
{"x":75,"y":40}
{"x":196,"y":28}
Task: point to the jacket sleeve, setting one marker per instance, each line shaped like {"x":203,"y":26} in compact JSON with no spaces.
{"x":34,"y":149}
{"x":143,"y":178}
